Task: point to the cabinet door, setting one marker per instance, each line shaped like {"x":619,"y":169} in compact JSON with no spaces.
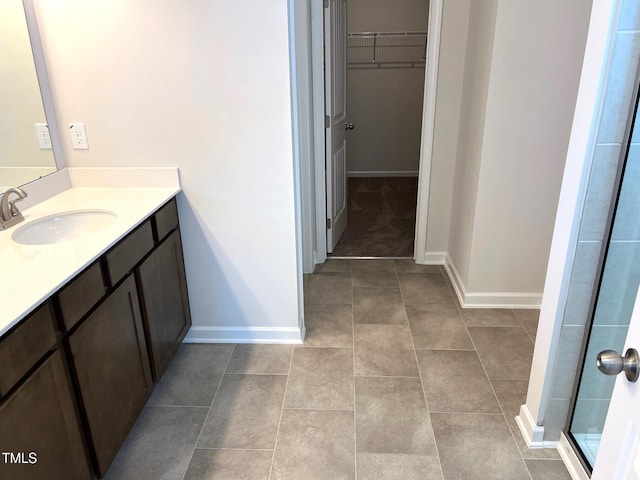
{"x":164,"y":297}
{"x":111,"y":363}
{"x":39,"y":432}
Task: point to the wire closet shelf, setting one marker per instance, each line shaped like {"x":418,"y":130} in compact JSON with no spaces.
{"x":393,"y":49}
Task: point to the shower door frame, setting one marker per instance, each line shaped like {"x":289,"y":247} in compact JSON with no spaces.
{"x":606,"y":241}
{"x":534,"y":414}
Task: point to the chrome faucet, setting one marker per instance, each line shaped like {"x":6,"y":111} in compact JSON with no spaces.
{"x":9,"y":213}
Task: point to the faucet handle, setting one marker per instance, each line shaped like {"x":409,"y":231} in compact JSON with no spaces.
{"x":9,"y":213}
{"x":20,"y":195}
{"x":12,"y":207}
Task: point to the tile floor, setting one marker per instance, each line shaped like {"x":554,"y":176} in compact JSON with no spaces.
{"x":394,"y":381}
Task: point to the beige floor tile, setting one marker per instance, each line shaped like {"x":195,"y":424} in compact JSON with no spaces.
{"x":547,"y":470}
{"x":375,"y":279}
{"x":478,"y":447}
{"x":505,"y":352}
{"x":378,"y":305}
{"x":374,"y":266}
{"x":372,"y":319}
{"x":328,"y":326}
{"x":392,"y":417}
{"x":334,"y":265}
{"x":384,"y":350}
{"x":332,"y":288}
{"x":159,"y":445}
{"x":410,"y":266}
{"x":321,"y":378}
{"x":229,"y":464}
{"x":489,"y":317}
{"x":454,"y":381}
{"x":438,"y":327}
{"x":390,"y":466}
{"x":529,"y":320}
{"x":425,"y":288}
{"x":434,"y":363}
{"x":193,"y":376}
{"x":245,"y":412}
{"x":511,"y":395}
{"x":460,"y":394}
{"x":267,"y":359}
{"x":315,"y":445}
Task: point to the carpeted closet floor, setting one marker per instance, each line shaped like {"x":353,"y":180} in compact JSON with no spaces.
{"x":381,"y":217}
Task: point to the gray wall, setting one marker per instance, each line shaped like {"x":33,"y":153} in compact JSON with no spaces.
{"x":385,"y":104}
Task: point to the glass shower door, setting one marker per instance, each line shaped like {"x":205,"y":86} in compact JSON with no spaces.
{"x":614,"y":300}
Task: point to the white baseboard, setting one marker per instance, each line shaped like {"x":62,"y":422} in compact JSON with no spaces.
{"x":293,"y":335}
{"x":435,"y":258}
{"x":532,"y":433}
{"x":571,"y":460}
{"x":488,"y":299}
{"x":502,"y":300}
{"x":388,"y":173}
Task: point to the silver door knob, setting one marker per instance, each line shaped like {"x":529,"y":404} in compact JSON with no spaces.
{"x":611,"y":362}
{"x":349,"y":126}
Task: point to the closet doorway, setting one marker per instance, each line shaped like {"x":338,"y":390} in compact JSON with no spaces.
{"x":372,"y":167}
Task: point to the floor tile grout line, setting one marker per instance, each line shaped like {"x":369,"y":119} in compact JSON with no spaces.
{"x":316,"y":409}
{"x":180,"y":406}
{"x":284,"y":397}
{"x":497,"y":326}
{"x":513,"y":434}
{"x":459,"y":307}
{"x":353,"y":338}
{"x":504,"y":417}
{"x":238,"y":448}
{"x":195,"y":445}
{"x":522,"y":323}
{"x":424,"y":395}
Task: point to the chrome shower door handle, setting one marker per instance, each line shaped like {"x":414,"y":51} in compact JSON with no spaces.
{"x":610,"y":362}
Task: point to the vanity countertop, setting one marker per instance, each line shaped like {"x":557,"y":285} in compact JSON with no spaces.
{"x":31,"y":274}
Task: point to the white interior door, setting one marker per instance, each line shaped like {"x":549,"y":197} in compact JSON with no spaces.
{"x":619,"y":452}
{"x":335,"y":34}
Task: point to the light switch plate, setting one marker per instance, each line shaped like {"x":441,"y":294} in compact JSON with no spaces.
{"x":78,"y":134}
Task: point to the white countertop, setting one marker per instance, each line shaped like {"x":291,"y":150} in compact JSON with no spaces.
{"x":31,"y":274}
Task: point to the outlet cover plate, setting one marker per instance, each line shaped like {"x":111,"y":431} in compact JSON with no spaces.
{"x":78,"y":134}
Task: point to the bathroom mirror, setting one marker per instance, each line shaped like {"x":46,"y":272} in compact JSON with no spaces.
{"x":22,"y":159}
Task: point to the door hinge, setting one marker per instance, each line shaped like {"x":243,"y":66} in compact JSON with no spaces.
{"x":326,"y":3}
{"x":327,"y":121}
{"x":328,"y":223}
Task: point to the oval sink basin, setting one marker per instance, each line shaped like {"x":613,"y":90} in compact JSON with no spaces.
{"x":62,"y":227}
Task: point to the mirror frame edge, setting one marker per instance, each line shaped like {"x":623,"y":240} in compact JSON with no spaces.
{"x":46,"y":92}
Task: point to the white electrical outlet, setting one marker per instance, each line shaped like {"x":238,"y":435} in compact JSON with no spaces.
{"x":78,"y":134}
{"x":42,"y":132}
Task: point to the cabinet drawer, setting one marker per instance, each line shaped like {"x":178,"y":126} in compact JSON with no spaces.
{"x":124,"y":256}
{"x":27,"y":344}
{"x":166,"y":219}
{"x":80,"y":295}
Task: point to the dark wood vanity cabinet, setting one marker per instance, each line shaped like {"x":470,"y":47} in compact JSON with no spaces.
{"x":110,"y":357}
{"x":40,"y":433}
{"x":163,"y":293}
{"x":83,"y":365}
